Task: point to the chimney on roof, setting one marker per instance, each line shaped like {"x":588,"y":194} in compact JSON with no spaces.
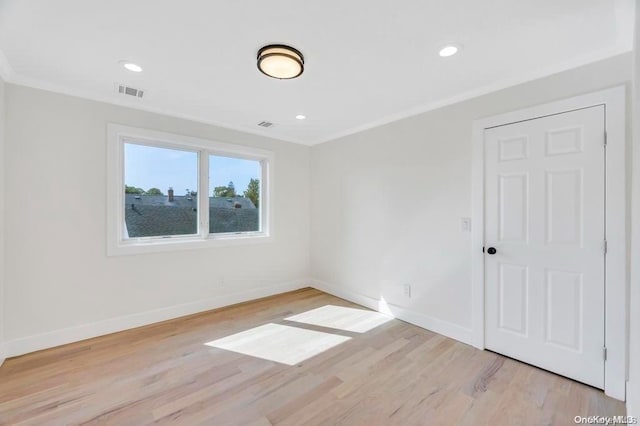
{"x":170,"y":192}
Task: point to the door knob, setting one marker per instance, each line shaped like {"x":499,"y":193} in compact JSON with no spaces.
{"x":492,"y":250}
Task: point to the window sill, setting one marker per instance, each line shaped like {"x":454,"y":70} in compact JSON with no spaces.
{"x":160,"y":245}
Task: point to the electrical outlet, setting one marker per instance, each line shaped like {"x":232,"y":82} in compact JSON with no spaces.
{"x":465,"y":224}
{"x":407,"y":290}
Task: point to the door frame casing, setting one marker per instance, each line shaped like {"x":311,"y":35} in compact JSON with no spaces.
{"x":616,"y":276}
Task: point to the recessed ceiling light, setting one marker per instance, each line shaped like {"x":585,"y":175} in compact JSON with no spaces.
{"x":301,"y":117}
{"x":280,"y":61}
{"x":131,"y":66}
{"x":449,"y":50}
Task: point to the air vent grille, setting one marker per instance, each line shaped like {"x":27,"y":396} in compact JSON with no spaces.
{"x":265,"y":124}
{"x":129,"y":91}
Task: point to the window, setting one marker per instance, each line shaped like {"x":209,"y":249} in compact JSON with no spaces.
{"x":152,"y":207}
{"x":171,"y":192}
{"x":234,"y":203}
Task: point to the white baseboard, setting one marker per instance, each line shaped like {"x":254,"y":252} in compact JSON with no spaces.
{"x":446,"y":328}
{"x":633,"y":400}
{"x":63,"y":336}
{"x":54,"y":338}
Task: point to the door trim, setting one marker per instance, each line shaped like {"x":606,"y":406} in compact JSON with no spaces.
{"x":616,"y":276}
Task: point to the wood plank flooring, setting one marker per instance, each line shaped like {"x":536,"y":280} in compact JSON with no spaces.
{"x":393,"y":374}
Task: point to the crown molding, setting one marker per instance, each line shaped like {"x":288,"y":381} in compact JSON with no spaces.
{"x":10,"y":76}
{"x":490,"y":88}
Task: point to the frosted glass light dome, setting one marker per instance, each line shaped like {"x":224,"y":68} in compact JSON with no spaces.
{"x":280,"y":61}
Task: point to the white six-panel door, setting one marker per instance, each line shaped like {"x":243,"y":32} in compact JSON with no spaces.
{"x":545,"y":218}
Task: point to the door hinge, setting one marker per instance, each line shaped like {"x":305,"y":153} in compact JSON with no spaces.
{"x":606,"y":247}
{"x":605,"y":138}
{"x":604,"y":353}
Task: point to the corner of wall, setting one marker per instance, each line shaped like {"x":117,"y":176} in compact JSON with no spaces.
{"x":2,"y":169}
{"x":436,"y":325}
{"x":633,"y":385}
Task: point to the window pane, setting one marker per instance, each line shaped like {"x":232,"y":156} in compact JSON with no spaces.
{"x":234,"y":202}
{"x":161,"y":187}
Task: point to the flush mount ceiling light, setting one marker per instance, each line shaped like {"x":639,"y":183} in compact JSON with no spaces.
{"x":301,"y":117}
{"x":280,"y":61}
{"x":449,"y":50}
{"x":131,"y":66}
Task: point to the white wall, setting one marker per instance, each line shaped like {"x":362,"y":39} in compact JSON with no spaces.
{"x":633,"y":390}
{"x":59,"y":280}
{"x":2,"y":251}
{"x":387,"y":202}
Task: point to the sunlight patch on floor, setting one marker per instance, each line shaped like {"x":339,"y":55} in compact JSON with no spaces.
{"x":279,"y":343}
{"x":342,"y":318}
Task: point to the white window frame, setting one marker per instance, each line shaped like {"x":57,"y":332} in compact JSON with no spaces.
{"x":117,"y":244}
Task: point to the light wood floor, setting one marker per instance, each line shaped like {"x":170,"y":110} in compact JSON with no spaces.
{"x":395,"y":373}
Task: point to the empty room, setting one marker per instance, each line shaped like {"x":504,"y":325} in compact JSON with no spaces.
{"x":411,"y":212}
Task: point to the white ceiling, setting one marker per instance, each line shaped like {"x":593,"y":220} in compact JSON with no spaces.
{"x":368,"y":62}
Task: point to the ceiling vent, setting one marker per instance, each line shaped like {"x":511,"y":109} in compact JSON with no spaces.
{"x":129,"y":91}
{"x":265,"y":124}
